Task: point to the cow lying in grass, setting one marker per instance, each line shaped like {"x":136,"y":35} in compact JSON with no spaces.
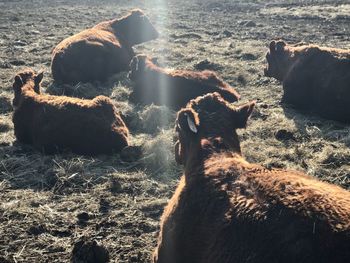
{"x":54,"y":123}
{"x":314,"y":78}
{"x":173,"y":88}
{"x":101,"y":51}
{"x":228,"y":210}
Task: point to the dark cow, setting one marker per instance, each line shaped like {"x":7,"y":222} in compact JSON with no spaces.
{"x":101,"y":51}
{"x":173,"y":88}
{"x":227,"y":210}
{"x":314,"y":78}
{"x":54,"y":123}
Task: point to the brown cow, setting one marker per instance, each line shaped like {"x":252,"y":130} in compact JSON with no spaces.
{"x":173,"y":88}
{"x":53,"y":123}
{"x":227,"y":210}
{"x":314,"y":78}
{"x":101,"y":51}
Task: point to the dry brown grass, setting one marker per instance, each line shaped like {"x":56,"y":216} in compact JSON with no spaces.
{"x":42,"y":197}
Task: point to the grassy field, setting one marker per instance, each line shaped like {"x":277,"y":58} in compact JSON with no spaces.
{"x":48,"y":203}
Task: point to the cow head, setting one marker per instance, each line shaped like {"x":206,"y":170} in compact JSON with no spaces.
{"x":278,"y":60}
{"x":209,"y":119}
{"x":25,"y":80}
{"x":136,"y":28}
{"x":137,"y":66}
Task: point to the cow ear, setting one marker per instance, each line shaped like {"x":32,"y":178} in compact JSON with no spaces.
{"x":18,"y":82}
{"x":38,"y":78}
{"x":243,"y":113}
{"x":155,"y":61}
{"x":272,"y":46}
{"x":280,"y":45}
{"x":188,"y":121}
{"x":138,"y":63}
{"x":137,"y":12}
{"x":134,"y":64}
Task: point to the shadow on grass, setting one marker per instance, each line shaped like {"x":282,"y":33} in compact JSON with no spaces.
{"x":312,"y":125}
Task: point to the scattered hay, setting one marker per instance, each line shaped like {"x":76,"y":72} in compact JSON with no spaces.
{"x":149,"y":119}
{"x":80,"y":90}
{"x":311,"y":12}
{"x":88,"y":90}
{"x":155,"y":118}
{"x":4,"y":127}
{"x":5,"y":104}
{"x":131,"y":153}
{"x":159,"y":157}
{"x":334,"y":157}
{"x":120,"y":93}
{"x":45,"y":200}
{"x":21,"y":167}
{"x":26,"y":168}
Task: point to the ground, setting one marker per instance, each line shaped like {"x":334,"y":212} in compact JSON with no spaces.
{"x":48,"y":203}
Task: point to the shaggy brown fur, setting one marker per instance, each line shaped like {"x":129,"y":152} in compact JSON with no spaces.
{"x":173,"y":88}
{"x":53,"y":123}
{"x":226,"y":210}
{"x":314,"y":78}
{"x":97,"y":53}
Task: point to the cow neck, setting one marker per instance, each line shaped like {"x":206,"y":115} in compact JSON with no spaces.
{"x":119,"y":26}
{"x":203,"y":151}
{"x":123,"y":39}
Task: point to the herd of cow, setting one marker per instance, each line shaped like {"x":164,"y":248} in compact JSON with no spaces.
{"x":224,"y":209}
